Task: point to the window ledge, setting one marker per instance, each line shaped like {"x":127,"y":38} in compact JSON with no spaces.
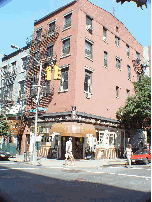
{"x":64,"y":56}
{"x":88,"y":92}
{"x":130,"y":80}
{"x":118,"y":46}
{"x":118,"y":69}
{"x":66,"y":28}
{"x":105,"y":40}
{"x":128,"y":56}
{"x":88,"y":58}
{"x":21,"y":71}
{"x":117,"y":97}
{"x":105,"y":66}
{"x":63,"y":91}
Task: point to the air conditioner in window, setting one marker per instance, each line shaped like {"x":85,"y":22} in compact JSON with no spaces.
{"x":88,"y":95}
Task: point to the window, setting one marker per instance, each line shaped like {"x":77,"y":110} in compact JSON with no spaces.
{"x":13,"y":67}
{"x":64,"y":80}
{"x":117,"y":29}
{"x":88,"y":81}
{"x":105,"y":58}
{"x":129,"y":72}
{"x":101,"y":137}
{"x":51,"y":28}
{"x":118,"y":63}
{"x":138,"y":76}
{"x":38,"y":34}
{"x":138,"y":58}
{"x":88,"y":49}
{"x":24,"y":63}
{"x":128,"y":51}
{"x":50,"y":51}
{"x":67,"y":20}
{"x":32,"y":87}
{"x":10,"y":91}
{"x":117,"y":41}
{"x":128,"y":93}
{"x":36,"y":56}
{"x":117,"y":92}
{"x":89,"y":24}
{"x":112,"y":139}
{"x":66,"y":47}
{"x":104,"y":34}
{"x":46,"y":88}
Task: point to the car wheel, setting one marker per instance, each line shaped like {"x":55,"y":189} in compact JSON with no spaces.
{"x":145,"y":161}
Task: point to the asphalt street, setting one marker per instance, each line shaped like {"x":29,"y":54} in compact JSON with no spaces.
{"x":25,"y":182}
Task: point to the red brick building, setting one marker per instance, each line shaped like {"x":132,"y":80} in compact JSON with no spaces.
{"x":95,"y":52}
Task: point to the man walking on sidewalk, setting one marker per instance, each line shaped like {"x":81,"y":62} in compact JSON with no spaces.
{"x":129,"y":154}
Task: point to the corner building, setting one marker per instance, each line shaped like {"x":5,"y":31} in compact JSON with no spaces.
{"x":95,"y":52}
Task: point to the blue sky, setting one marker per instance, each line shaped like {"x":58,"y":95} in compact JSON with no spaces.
{"x":17,"y":19}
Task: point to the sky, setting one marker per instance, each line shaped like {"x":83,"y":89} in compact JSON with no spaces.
{"x":17,"y":19}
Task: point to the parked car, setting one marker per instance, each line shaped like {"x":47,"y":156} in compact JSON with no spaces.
{"x":4,"y":155}
{"x":141,"y":156}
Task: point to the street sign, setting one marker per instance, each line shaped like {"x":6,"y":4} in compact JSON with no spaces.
{"x":39,"y":108}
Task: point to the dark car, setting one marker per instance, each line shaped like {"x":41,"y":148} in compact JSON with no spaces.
{"x":141,"y":156}
{"x":4,"y":155}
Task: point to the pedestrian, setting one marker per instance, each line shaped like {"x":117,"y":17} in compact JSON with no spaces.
{"x":129,"y":154}
{"x":68,"y":153}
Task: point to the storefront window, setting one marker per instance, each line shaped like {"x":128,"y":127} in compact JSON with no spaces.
{"x":112,"y":139}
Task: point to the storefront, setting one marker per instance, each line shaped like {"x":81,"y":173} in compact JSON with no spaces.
{"x":83,"y":135}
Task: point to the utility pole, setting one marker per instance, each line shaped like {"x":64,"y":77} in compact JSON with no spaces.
{"x":34,"y":158}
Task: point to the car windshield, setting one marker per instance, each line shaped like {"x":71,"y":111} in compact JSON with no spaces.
{"x":145,"y":151}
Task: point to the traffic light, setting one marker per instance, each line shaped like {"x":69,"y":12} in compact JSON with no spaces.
{"x":48,"y":73}
{"x":57,"y":72}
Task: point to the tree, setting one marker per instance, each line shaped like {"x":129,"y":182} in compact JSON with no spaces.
{"x":3,"y":125}
{"x":136,"y":113}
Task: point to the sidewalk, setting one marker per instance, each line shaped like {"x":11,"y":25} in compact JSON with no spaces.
{"x":77,"y":163}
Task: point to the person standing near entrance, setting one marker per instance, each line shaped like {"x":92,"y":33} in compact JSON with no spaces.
{"x":129,"y":154}
{"x":68,"y":153}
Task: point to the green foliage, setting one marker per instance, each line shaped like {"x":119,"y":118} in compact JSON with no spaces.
{"x":136,"y":113}
{"x":3,"y":125}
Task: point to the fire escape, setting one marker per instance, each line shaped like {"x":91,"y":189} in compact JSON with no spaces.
{"x":42,"y":51}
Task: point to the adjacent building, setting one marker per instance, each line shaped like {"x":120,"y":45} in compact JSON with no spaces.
{"x":13,"y":89}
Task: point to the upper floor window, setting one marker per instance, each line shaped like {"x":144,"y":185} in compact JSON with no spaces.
{"x":13,"y":67}
{"x":89,"y":24}
{"x":88,"y":49}
{"x":138,"y":58}
{"x":118,"y":63}
{"x":88,"y":83}
{"x":117,"y":29}
{"x":51,"y":28}
{"x":105,"y":58}
{"x":50,"y":51}
{"x":104,"y":34}
{"x":66,"y":47}
{"x":117,"y":91}
{"x":64,"y":80}
{"x":128,"y":93}
{"x":117,"y":41}
{"x":67,"y":20}
{"x":138,"y":76}
{"x":36,"y":58}
{"x":46,"y":88}
{"x":24,"y":63}
{"x":129,"y":72}
{"x":38,"y":34}
{"x":128,"y":51}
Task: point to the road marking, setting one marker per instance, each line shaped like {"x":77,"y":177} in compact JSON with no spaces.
{"x":23,"y":168}
{"x":120,"y":174}
{"x":8,"y":163}
{"x":4,"y":169}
